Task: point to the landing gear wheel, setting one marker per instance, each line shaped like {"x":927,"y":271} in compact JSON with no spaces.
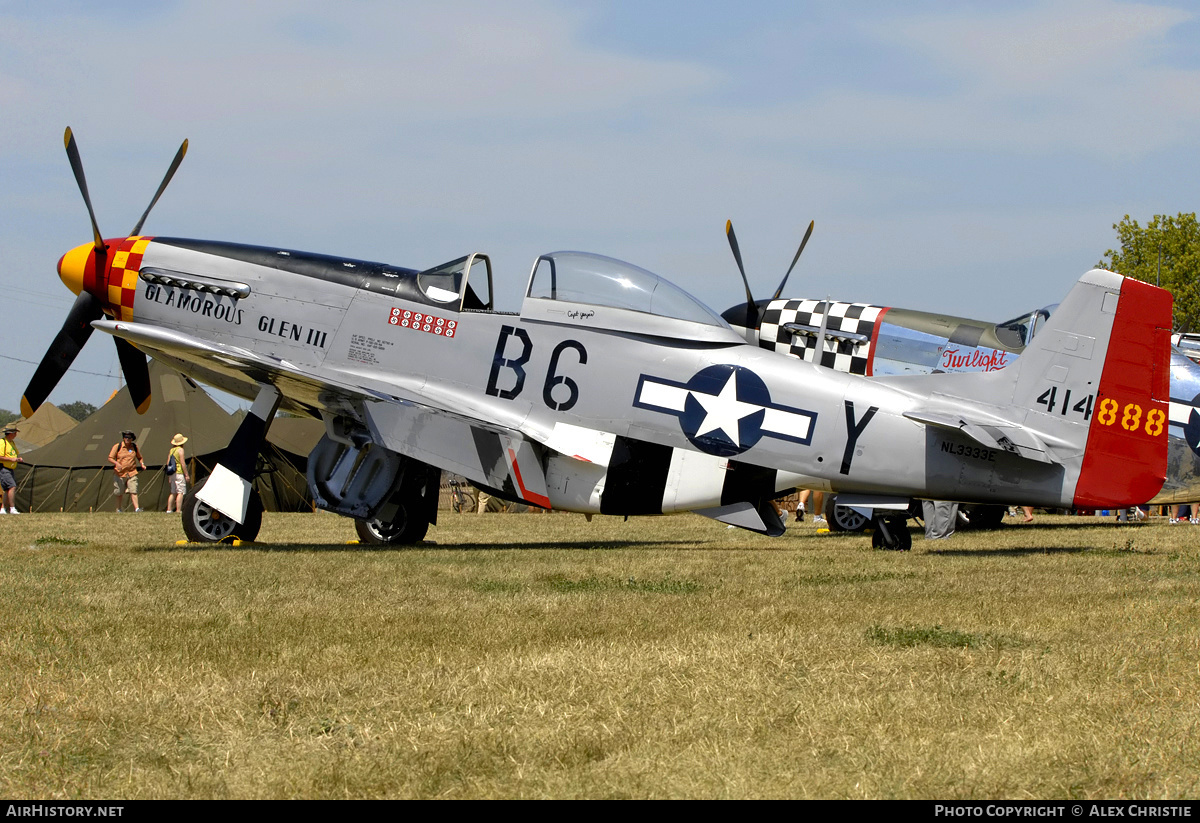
{"x":254,"y":512}
{"x":402,"y":531}
{"x":843,"y":518}
{"x":897,"y":530}
{"x":204,"y":524}
{"x":982,"y":517}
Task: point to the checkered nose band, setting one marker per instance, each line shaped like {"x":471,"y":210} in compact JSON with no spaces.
{"x":793,"y":327}
{"x":116,"y":285}
{"x":121,"y":286}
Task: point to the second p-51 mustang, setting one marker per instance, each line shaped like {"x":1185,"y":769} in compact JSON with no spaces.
{"x":612,"y":391}
{"x":868,"y":339}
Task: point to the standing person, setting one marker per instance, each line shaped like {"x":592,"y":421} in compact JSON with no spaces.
{"x":941,"y":518}
{"x":779,"y":510}
{"x":1028,"y":510}
{"x":9,"y":458}
{"x":818,"y":509}
{"x":126,"y":457}
{"x":177,"y":480}
{"x":1175,"y":509}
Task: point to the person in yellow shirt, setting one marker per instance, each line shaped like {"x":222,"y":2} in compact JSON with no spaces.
{"x":178,"y":480}
{"x":9,"y":458}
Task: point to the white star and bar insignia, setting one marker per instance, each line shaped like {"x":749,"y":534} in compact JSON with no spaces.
{"x":725,"y":409}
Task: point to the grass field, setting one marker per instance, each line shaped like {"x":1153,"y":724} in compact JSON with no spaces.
{"x":545,"y":656}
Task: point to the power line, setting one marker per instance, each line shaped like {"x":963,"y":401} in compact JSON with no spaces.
{"x":48,"y":303}
{"x":77,"y":371}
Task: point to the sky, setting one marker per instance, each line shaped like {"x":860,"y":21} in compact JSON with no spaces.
{"x":967,"y":158}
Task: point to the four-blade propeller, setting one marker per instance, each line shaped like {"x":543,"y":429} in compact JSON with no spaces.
{"x":749,"y":317}
{"x":89,"y":307}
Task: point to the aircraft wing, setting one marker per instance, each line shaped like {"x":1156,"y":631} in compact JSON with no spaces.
{"x":490,"y":445}
{"x":483,"y":453}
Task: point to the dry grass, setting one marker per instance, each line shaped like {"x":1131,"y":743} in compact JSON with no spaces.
{"x":543,"y":656}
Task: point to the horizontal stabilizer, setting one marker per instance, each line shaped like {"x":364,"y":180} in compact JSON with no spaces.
{"x":1009,"y":437}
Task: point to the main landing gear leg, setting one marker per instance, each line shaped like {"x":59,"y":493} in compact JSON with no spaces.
{"x":405,"y":518}
{"x":891,"y":533}
{"x":225,"y":505}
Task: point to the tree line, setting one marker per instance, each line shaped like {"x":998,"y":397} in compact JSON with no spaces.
{"x":1165,"y":252}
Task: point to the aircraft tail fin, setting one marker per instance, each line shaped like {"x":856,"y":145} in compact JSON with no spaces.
{"x":1090,"y":392}
{"x":1103,"y":359}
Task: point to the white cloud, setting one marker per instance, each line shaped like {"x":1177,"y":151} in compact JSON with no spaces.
{"x":1050,"y":48}
{"x":397,"y":64}
{"x":1055,"y":77}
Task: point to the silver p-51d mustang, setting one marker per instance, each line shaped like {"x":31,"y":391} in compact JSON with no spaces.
{"x":612,"y":391}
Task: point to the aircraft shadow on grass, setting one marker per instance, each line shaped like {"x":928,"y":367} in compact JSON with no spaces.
{"x":578,"y":545}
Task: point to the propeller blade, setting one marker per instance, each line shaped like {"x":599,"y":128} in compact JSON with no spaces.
{"x":58,"y":358}
{"x":162,"y":186}
{"x":751,"y":308}
{"x":137,"y":374}
{"x":77,"y":167}
{"x":800,"y":250}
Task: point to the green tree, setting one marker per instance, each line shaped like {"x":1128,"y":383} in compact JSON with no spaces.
{"x":7,"y":417}
{"x":78,"y":410}
{"x":1167,"y":252}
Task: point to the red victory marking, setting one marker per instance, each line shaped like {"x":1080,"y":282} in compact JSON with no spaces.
{"x":419,"y":321}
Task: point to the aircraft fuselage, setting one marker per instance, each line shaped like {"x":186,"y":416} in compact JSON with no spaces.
{"x":692,"y":423}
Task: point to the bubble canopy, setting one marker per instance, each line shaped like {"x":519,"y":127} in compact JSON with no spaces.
{"x":583,"y":279}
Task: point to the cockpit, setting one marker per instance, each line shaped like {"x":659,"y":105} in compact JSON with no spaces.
{"x":1016,"y":333}
{"x":593,"y":291}
{"x":464,"y":284}
{"x":571,"y":288}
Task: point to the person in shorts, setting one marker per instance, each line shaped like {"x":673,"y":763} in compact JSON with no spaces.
{"x":126,"y":457}
{"x":178,"y":481}
{"x":9,"y":458}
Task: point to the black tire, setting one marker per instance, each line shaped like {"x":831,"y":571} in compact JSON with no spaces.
{"x":901,"y":537}
{"x":843,"y":518}
{"x":204,"y":524}
{"x":982,"y":518}
{"x":248,"y":530}
{"x":402,"y":531}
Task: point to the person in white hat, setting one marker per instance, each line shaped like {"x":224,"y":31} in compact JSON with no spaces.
{"x":9,"y":458}
{"x":177,"y":481}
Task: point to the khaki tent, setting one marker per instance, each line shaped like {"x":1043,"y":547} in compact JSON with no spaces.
{"x":72,"y":472}
{"x":46,"y":424}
